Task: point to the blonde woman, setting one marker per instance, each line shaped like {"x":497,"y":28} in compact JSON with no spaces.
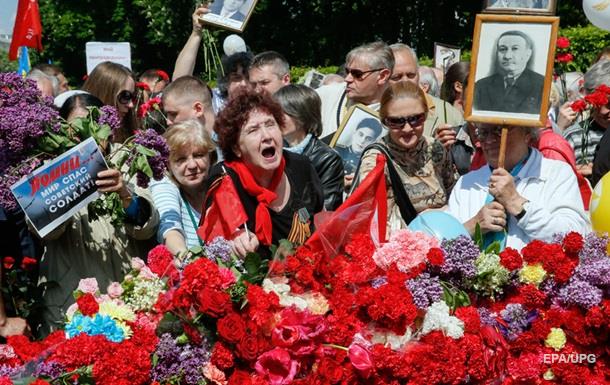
{"x":179,"y":196}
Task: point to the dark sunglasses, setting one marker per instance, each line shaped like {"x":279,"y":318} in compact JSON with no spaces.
{"x":398,"y":122}
{"x":124,"y":97}
{"x":359,"y":74}
{"x":484,"y":133}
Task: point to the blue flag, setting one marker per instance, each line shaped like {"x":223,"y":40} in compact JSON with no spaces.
{"x":24,"y":61}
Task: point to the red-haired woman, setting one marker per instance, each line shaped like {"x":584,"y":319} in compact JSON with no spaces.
{"x":279,"y":191}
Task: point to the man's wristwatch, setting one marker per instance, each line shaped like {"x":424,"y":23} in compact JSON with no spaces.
{"x":523,"y":211}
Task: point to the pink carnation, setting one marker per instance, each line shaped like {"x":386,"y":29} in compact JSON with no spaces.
{"x":227,"y":277}
{"x":137,"y":263}
{"x":215,"y":375}
{"x":88,"y":285}
{"x":406,"y":249}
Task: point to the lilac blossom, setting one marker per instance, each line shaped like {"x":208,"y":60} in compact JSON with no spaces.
{"x":595,"y":272}
{"x":219,"y":249}
{"x":425,"y":290}
{"x":460,"y":254}
{"x":517,"y":319}
{"x":109,"y":116}
{"x":182,"y":361}
{"x":158,"y":163}
{"x":49,"y":369}
{"x":594,"y":247}
{"x":580,"y":293}
{"x":377,"y":282}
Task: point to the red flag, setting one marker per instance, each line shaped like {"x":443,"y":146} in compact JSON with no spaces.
{"x":225,"y":214}
{"x":28,"y":29}
{"x":364,"y":211}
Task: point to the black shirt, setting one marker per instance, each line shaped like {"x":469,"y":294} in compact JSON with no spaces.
{"x":305,"y":195}
{"x":601,"y":162}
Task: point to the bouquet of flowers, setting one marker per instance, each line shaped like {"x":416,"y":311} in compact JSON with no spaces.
{"x":585,"y":107}
{"x":32,"y":132}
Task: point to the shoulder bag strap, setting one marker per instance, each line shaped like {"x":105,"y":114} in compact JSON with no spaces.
{"x":407,"y":211}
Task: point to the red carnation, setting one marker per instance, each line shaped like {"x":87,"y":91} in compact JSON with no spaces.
{"x":8,"y":262}
{"x":5,"y":381}
{"x":578,"y":106}
{"x":143,"y":86}
{"x":471,"y":318}
{"x":231,"y":327}
{"x":87,"y":304}
{"x":563,"y":42}
{"x":436,"y":256}
{"x":28,"y":263}
{"x":564,"y":57}
{"x":122,"y":364}
{"x":143,"y":110}
{"x":573,"y":242}
{"x":222,"y":356}
{"x":511,"y":259}
{"x":533,"y":252}
{"x":532,"y":297}
{"x":161,"y":262}
{"x":163,"y":75}
{"x":597,"y":98}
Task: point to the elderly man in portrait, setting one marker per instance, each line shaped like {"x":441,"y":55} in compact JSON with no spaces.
{"x":513,"y":85}
{"x":368,"y":69}
{"x":229,"y":9}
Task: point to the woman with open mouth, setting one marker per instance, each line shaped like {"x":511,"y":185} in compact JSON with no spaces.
{"x":269,"y":194}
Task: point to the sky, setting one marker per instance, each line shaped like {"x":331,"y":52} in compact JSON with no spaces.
{"x":8,"y":9}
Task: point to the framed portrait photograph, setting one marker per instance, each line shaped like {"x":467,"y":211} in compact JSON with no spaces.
{"x":511,"y":69}
{"x":230,"y":14}
{"x":360,"y":127}
{"x":445,"y":55}
{"x":531,"y":7}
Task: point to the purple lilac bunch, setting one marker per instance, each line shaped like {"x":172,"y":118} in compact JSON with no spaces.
{"x":219,"y":249}
{"x":516,"y":320}
{"x":109,"y":116}
{"x":425,"y":290}
{"x":460,"y":255}
{"x":181,"y":362}
{"x":151,"y":140}
{"x":594,"y":247}
{"x":7,"y":200}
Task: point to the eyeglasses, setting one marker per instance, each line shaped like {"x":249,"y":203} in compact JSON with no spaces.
{"x":398,"y":122}
{"x":485,"y":132}
{"x":359,"y":74}
{"x":124,"y":97}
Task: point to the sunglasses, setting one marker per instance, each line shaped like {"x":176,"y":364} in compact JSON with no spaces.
{"x":124,"y":97}
{"x":359,"y":74}
{"x":484,"y":133}
{"x":398,"y":122}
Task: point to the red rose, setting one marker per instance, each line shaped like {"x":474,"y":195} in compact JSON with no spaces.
{"x":597,"y":99}
{"x":511,"y":259}
{"x":573,"y":242}
{"x":240,"y":378}
{"x":578,"y":106}
{"x":222,"y":356}
{"x":231,"y":327}
{"x":213,"y":302}
{"x":564,"y":57}
{"x":436,"y":256}
{"x":87,"y":304}
{"x":247,"y":348}
{"x":28,"y":263}
{"x":563,"y":42}
{"x":8,"y":262}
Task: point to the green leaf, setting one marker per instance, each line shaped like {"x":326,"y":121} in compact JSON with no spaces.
{"x":494,"y":248}
{"x":141,"y":164}
{"x":478,"y":236}
{"x":144,"y":150}
{"x":252,"y":263}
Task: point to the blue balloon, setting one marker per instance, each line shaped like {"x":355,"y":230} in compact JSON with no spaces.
{"x":438,"y":224}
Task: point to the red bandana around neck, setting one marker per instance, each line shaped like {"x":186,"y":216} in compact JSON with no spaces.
{"x":264,"y":196}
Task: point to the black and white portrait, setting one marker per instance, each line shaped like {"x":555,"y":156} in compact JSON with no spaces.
{"x":230,"y":14}
{"x":512,"y":63}
{"x":520,"y":6}
{"x":360,"y":127}
{"x":446,"y":55}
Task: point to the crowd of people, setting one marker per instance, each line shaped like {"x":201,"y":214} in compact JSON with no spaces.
{"x":271,"y":138}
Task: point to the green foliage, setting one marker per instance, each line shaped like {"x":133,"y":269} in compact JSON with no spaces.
{"x":297,"y":73}
{"x":585,"y":44}
{"x":5,"y":64}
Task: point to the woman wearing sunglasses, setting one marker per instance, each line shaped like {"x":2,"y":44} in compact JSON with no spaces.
{"x":418,"y":164}
{"x":115,"y":85}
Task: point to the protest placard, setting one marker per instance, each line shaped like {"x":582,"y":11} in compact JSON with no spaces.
{"x":98,"y":52}
{"x":52,"y":193}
